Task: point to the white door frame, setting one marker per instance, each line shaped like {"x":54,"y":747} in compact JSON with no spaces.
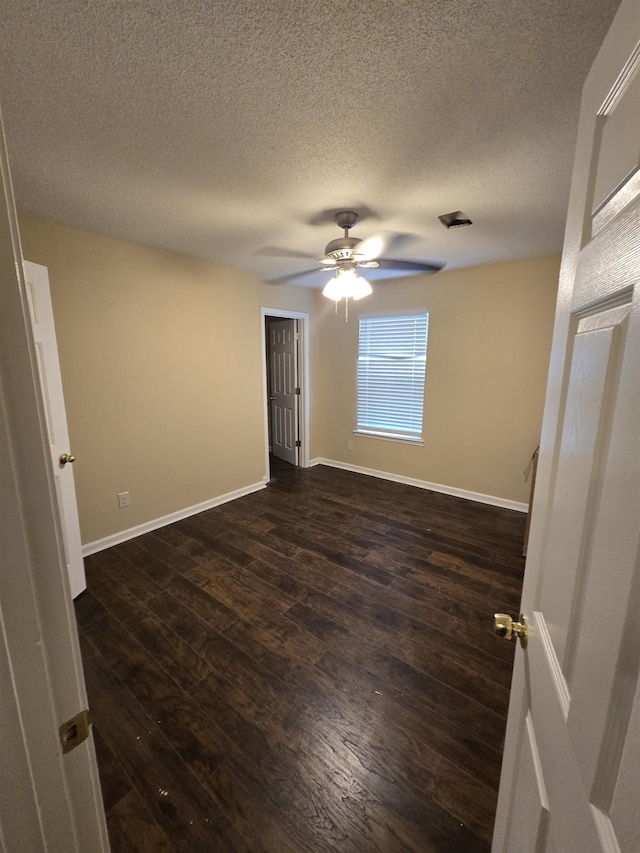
{"x":49,"y":801}
{"x":303,"y":375}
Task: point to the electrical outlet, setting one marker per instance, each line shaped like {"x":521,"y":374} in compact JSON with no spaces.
{"x":124,"y":500}
{"x":349,"y":445}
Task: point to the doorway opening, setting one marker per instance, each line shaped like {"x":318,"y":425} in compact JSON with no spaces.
{"x":285,"y":371}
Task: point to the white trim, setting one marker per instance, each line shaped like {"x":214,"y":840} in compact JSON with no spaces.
{"x":390,"y":436}
{"x":148,"y":526}
{"x":398,"y":314}
{"x":305,"y":387}
{"x":504,"y":503}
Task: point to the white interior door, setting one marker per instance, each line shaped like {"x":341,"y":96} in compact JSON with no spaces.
{"x":284,"y":389}
{"x":571,"y":770}
{"x":44,"y":335}
{"x":49,"y":801}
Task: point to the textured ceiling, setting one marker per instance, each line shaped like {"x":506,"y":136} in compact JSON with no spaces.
{"x":218,"y":127}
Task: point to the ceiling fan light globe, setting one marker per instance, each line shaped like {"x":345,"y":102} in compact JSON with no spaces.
{"x":350,"y":285}
{"x":333,"y":290}
{"x":360,"y":288}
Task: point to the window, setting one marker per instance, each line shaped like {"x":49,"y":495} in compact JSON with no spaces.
{"x":392,"y":358}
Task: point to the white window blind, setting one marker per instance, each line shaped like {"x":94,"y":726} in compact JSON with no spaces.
{"x":392,"y":359}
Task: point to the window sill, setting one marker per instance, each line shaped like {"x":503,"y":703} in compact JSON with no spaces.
{"x":401,"y":439}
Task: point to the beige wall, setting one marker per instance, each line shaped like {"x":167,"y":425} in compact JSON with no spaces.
{"x":162,"y":372}
{"x":488,"y":351}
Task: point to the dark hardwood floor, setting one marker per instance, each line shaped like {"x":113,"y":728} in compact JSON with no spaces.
{"x":308,"y":668}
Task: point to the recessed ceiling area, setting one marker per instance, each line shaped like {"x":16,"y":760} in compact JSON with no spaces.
{"x":219,"y":128}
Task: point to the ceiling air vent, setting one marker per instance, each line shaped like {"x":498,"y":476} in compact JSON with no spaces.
{"x":454,"y":220}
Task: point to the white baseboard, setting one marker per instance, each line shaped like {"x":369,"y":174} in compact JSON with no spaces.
{"x":504,"y":503}
{"x":148,"y":526}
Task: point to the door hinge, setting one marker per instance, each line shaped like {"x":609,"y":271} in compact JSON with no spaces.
{"x":75,"y":731}
{"x":298,"y":443}
{"x":297,"y":391}
{"x":296,"y":336}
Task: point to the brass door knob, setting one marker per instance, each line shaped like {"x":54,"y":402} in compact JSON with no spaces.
{"x":504,"y":626}
{"x":66,"y":457}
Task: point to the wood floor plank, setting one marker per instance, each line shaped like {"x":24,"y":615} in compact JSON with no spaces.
{"x":179,"y":559}
{"x":278,"y":646}
{"x":224,"y":529}
{"x":330,"y":561}
{"x":114,"y":782}
{"x":214,"y":544}
{"x":256,"y":831}
{"x":458,"y":600}
{"x":181,"y":543}
{"x":369,"y":699}
{"x":201,"y":746}
{"x":254,"y":542}
{"x":193,"y":596}
{"x":345,"y":768}
{"x":170,"y":792}
{"x":88,"y":608}
{"x":289,"y":584}
{"x":418,"y":565}
{"x":307,"y":669}
{"x":100,"y":566}
{"x":234,"y":591}
{"x":125,"y":589}
{"x":357,"y":589}
{"x":392,"y":671}
{"x":265,"y":592}
{"x":224,"y":657}
{"x":133,"y":830}
{"x":249,"y":518}
{"x":430,"y":650}
{"x":150,"y":564}
{"x":325,"y":793}
{"x":167,"y":647}
{"x":86,"y":646}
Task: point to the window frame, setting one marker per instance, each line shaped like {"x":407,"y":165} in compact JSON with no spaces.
{"x":367,"y":431}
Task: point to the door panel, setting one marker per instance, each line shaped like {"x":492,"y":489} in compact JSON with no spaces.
{"x":530,"y":826}
{"x":575,"y":690}
{"x":44,"y":333}
{"x":601,"y":644}
{"x":617,"y":173}
{"x":283,"y":367}
{"x":572,"y":501}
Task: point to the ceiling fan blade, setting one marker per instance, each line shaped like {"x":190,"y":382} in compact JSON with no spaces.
{"x":280,"y":252}
{"x":294,"y":275}
{"x":372,"y":247}
{"x":408,"y":266}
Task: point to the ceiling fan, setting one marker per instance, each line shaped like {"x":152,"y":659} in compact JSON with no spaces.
{"x":347,"y":255}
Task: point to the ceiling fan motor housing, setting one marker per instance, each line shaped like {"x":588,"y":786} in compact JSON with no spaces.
{"x":346,"y":218}
{"x":342,"y":249}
